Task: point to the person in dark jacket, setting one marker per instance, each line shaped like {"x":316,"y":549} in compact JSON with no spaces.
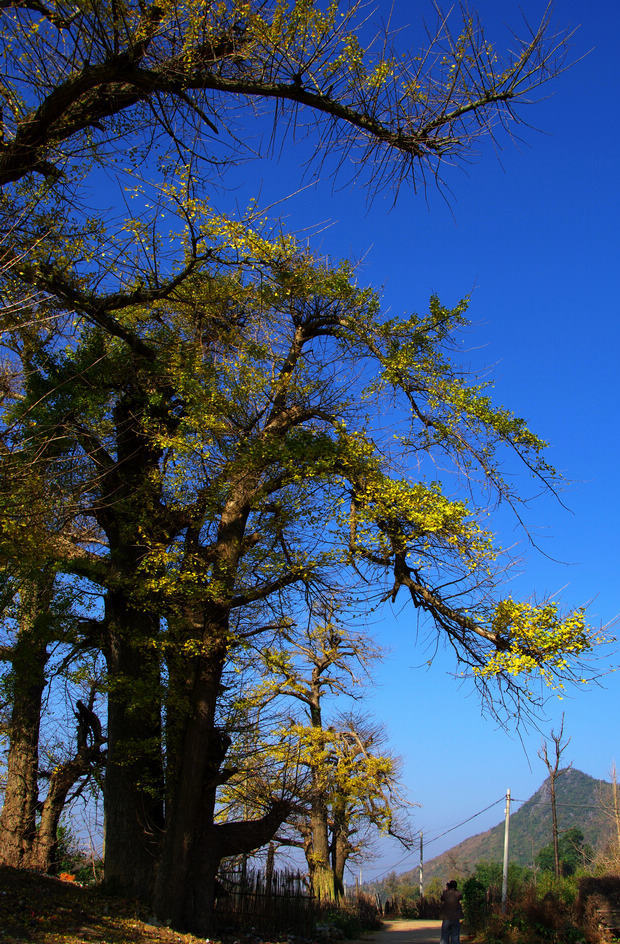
{"x":451,"y":913}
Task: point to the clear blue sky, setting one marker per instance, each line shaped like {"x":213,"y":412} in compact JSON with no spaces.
{"x":535,"y":241}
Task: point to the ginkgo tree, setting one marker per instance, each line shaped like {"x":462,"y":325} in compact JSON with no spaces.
{"x":229,"y":463}
{"x":334,"y":765}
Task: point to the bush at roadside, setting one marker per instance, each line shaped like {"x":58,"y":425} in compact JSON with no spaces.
{"x":541,"y":916}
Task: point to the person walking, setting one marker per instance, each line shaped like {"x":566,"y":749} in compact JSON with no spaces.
{"x":451,"y":913}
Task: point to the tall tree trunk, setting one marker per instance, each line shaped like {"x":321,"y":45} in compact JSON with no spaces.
{"x":219,"y":841}
{"x":133,"y":790}
{"x":196,"y":778}
{"x":131,"y":513}
{"x":185,"y":884}
{"x":29,"y":659}
{"x":616,"y":808}
{"x":554,"y":827}
{"x":554,"y":774}
{"x":322,"y":874}
{"x":340,"y":847}
{"x":194,"y":844}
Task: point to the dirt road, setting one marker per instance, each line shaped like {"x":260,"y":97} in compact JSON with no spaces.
{"x":406,"y":931}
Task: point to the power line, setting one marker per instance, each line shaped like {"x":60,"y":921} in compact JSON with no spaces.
{"x":468,"y":820}
{"x":390,"y":868}
{"x":571,"y":806}
{"x":440,"y":836}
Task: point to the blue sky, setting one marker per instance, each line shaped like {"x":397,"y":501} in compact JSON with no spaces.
{"x":534,"y":240}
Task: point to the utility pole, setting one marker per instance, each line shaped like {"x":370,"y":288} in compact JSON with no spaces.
{"x":421,"y":866}
{"x":506,"y":834}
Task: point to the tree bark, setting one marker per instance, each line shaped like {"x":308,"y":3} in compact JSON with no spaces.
{"x":129,"y":511}
{"x":133,"y":787}
{"x":322,"y":874}
{"x":194,"y":844}
{"x":29,"y":659}
{"x":219,"y":841}
{"x":340,"y":849}
{"x":196,"y":778}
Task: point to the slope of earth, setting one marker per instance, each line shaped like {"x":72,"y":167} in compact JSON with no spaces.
{"x":44,"y":910}
{"x":581,"y":801}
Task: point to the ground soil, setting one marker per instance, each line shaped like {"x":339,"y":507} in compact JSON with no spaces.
{"x":407,"y":931}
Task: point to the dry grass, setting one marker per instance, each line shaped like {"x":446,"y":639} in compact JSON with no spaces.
{"x":42,"y":910}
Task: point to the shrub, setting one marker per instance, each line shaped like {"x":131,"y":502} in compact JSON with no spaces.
{"x":538,"y":917}
{"x":475,"y":904}
{"x":499,"y":930}
{"x":563,"y":889}
{"x":353,"y":917}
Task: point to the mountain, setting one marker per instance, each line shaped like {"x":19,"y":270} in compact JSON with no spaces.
{"x":581,"y":801}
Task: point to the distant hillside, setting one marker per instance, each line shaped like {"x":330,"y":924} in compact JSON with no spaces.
{"x":580,"y":799}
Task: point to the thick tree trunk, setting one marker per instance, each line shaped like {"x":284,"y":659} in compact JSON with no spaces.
{"x":340,"y":850}
{"x":178,"y":700}
{"x":133,"y":788}
{"x":185,"y":884}
{"x":194,"y":845}
{"x":218,"y":842}
{"x":322,"y":874}
{"x":18,"y":817}
{"x":197,"y":776}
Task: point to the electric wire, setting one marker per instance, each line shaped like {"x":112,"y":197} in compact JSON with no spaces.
{"x":441,"y":835}
{"x":569,"y":806}
{"x":458,"y":825}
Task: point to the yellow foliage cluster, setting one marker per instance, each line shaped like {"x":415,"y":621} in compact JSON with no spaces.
{"x":537,"y":641}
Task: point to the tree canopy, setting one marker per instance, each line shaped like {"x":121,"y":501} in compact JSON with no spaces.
{"x":114,"y":96}
{"x":573,"y":853}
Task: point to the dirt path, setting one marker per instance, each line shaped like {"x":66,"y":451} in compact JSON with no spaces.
{"x":406,"y":931}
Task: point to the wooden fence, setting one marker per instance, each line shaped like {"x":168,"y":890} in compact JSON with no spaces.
{"x":268,"y":902}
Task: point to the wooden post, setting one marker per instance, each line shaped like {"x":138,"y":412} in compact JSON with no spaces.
{"x":271,"y":851}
